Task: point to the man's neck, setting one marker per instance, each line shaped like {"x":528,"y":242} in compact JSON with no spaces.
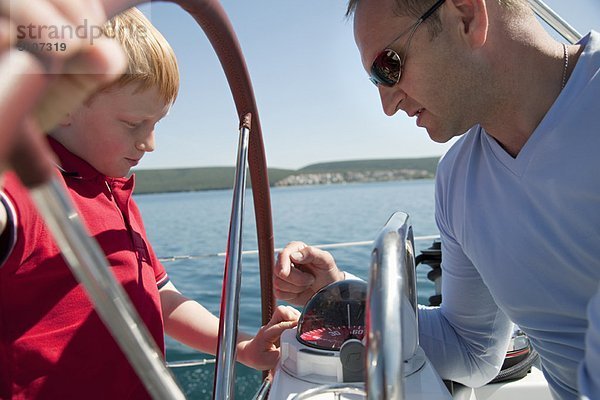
{"x":527,"y":91}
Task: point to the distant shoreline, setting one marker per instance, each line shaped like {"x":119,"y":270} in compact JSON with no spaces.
{"x":332,"y":178}
{"x":340,"y":172}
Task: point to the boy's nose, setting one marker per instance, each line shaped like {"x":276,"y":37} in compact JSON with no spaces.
{"x":146,"y":143}
{"x":390,"y":98}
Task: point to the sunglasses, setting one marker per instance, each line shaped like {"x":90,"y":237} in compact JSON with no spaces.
{"x":386,"y":69}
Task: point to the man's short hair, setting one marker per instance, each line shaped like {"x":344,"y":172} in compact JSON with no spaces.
{"x":408,"y":8}
{"x":416,"y":8}
{"x":151,"y":60}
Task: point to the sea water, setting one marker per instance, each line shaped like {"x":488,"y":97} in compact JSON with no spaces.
{"x":196,"y":224}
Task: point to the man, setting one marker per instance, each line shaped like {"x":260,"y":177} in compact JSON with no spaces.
{"x":516,"y":197}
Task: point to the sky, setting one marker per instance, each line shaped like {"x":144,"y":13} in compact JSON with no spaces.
{"x":314,"y":99}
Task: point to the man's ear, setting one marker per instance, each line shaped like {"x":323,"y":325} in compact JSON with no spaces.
{"x":472,"y":19}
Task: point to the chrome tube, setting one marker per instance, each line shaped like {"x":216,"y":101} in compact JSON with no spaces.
{"x":336,"y":389}
{"x":561,"y":26}
{"x":230,"y":297}
{"x":88,"y":264}
{"x":392,"y":283}
{"x":263,"y":390}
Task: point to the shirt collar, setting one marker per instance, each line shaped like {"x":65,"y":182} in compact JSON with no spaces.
{"x":76,"y":167}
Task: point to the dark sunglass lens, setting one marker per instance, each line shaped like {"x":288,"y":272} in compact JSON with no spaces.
{"x":386,"y":68}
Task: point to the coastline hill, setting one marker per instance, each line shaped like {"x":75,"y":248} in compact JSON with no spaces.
{"x":213,"y":178}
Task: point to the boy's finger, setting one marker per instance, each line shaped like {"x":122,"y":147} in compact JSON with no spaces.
{"x":285,"y":313}
{"x":273,"y":332}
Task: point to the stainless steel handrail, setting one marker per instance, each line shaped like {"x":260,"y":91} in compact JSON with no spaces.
{"x":336,"y":389}
{"x":555,"y":21}
{"x":392,"y":280}
{"x":88,"y":264}
{"x":324,"y":246}
{"x":263,"y":390}
{"x":230,"y":297}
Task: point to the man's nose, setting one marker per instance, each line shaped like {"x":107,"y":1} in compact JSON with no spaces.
{"x":390,"y":98}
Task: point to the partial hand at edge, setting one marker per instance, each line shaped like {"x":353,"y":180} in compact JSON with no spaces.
{"x":261,"y":352}
{"x":301,"y":270}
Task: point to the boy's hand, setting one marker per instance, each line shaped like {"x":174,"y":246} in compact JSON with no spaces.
{"x":260,"y":352}
{"x":302,"y":270}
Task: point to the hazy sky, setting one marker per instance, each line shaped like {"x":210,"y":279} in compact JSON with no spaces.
{"x":314,"y":99}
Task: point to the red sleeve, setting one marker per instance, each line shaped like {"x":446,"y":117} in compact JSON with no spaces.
{"x":162,"y":278}
{"x":24,"y":224}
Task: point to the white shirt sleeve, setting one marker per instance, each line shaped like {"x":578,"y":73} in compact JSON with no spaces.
{"x":348,"y":275}
{"x":466,"y":338}
{"x":589,"y":378}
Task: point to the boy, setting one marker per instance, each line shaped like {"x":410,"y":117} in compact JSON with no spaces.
{"x":52,"y":343}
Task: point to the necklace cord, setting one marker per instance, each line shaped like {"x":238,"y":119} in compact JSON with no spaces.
{"x":566,"y":66}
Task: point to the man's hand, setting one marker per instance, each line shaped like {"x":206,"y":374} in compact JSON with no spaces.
{"x":45,"y":85}
{"x":302,"y":270}
{"x":74,"y":65}
{"x":43,"y":78}
{"x":261,"y":352}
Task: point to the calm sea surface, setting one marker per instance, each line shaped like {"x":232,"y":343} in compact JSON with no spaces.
{"x":197,"y":223}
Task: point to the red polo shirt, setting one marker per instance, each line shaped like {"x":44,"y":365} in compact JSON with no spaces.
{"x":52,"y":343}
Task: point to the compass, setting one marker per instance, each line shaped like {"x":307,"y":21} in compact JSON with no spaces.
{"x":334,"y":315}
{"x":329,"y":343}
{"x":332,"y":337}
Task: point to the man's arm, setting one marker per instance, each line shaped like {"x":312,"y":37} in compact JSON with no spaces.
{"x":467,"y":336}
{"x":589,"y":378}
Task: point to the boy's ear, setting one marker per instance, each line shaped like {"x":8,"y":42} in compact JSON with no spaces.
{"x":471,"y":18}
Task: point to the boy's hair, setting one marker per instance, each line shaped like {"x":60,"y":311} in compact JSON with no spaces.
{"x":151,"y":60}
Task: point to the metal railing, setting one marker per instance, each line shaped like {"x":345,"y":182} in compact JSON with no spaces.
{"x":230,"y":298}
{"x":324,"y":246}
{"x":392,"y":282}
{"x":554,"y":20}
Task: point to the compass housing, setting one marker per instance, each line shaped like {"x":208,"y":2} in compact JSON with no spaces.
{"x":334,"y":314}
